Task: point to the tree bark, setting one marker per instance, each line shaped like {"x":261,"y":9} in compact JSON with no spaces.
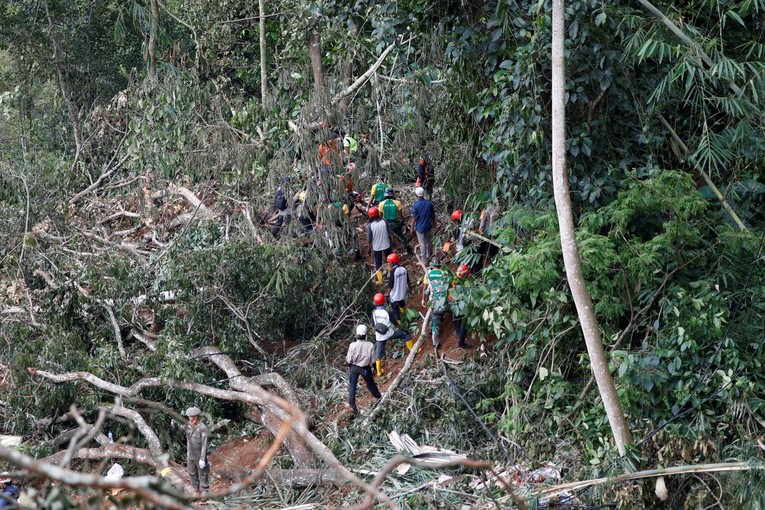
{"x":314,"y":51}
{"x":263,"y":67}
{"x":153,"y":31}
{"x":582,"y":299}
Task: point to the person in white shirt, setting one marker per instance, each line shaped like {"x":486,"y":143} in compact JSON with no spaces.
{"x":384,"y":330}
{"x":359,"y":359}
{"x":398,"y":283}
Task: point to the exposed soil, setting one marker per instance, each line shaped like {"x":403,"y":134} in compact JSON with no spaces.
{"x":232,"y":460}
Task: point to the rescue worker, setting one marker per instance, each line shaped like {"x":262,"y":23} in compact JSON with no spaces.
{"x":328,"y":155}
{"x":458,"y":236}
{"x":9,"y":492}
{"x":304,"y":212}
{"x":435,"y":290}
{"x":377,"y":192}
{"x":486,"y":226}
{"x":425,"y":175}
{"x":423,"y":217}
{"x":359,"y":358}
{"x":197,"y":440}
{"x":378,"y":236}
{"x":350,"y":145}
{"x":339,"y":215}
{"x":283,"y":206}
{"x":398,"y":285}
{"x":392,"y":212}
{"x":460,"y":330}
{"x":384,"y":330}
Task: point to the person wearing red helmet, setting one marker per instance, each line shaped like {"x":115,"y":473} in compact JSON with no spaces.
{"x":384,"y":330}
{"x":398,"y":283}
{"x":455,"y":305}
{"x":457,"y":232}
{"x":378,"y":236}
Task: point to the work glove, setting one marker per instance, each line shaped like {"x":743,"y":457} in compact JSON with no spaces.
{"x":202,"y":464}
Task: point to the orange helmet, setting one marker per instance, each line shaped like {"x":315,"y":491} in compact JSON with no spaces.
{"x":379,"y":299}
{"x":374,"y":212}
{"x":393,"y":258}
{"x":463,"y":271}
{"x":457,"y":215}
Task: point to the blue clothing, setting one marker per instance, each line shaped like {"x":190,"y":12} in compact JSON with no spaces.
{"x":423,"y":214}
{"x":9,"y":495}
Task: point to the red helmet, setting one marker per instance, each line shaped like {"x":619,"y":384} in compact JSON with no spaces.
{"x":463,"y":271}
{"x":374,"y":212}
{"x":457,"y":215}
{"x":392,"y":258}
{"x":379,"y":299}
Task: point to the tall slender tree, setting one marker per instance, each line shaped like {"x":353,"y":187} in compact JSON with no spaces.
{"x":582,"y":299}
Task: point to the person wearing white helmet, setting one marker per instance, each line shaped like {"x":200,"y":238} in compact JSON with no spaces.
{"x":359,"y":359}
{"x":197,"y":440}
{"x":9,"y":492}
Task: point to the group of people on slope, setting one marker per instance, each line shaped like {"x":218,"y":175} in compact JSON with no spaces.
{"x":440,"y":288}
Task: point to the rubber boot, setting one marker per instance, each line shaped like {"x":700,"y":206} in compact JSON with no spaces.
{"x":409,"y":344}
{"x":379,"y":277}
{"x":378,"y":364}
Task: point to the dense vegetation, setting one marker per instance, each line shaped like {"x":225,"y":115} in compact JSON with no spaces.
{"x":111,"y":111}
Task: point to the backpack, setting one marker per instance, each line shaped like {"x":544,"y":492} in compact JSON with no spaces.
{"x":280,"y":200}
{"x":379,"y":326}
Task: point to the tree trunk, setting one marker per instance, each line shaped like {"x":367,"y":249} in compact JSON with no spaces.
{"x":74,"y":117}
{"x":348,"y":72}
{"x":314,"y":51}
{"x":582,"y":299}
{"x":263,"y":68}
{"x":153,"y":37}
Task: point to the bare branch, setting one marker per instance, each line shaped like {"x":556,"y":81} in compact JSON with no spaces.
{"x":361,"y":80}
{"x":146,"y":486}
{"x":116,"y":328}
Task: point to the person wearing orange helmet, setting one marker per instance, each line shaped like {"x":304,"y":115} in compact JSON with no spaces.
{"x":398,"y":283}
{"x":378,"y":236}
{"x":462,"y":273}
{"x":384,"y":330}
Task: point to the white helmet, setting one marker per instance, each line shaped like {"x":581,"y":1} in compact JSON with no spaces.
{"x":361,"y":330}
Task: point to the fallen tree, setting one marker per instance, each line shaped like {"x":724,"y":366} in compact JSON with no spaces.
{"x":283,"y":418}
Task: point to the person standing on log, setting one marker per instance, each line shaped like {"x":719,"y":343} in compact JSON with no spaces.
{"x":197,"y":440}
{"x":359,"y":359}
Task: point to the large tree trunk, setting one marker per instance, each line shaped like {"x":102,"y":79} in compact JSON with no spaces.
{"x":263,"y":67}
{"x":582,"y":299}
{"x":314,"y":51}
